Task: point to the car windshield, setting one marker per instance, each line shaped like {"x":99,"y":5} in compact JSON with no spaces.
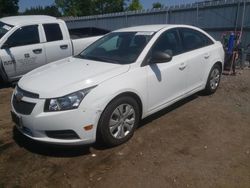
{"x":117,"y":47}
{"x":4,"y":28}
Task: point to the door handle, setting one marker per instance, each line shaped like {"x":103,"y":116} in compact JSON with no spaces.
{"x":63,"y":47}
{"x":182,"y":66}
{"x":206,"y":56}
{"x":37,"y":51}
{"x":26,"y":55}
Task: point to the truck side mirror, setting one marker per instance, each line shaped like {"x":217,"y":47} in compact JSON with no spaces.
{"x":6,"y":46}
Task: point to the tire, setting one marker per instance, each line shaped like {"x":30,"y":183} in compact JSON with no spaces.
{"x":118,"y":121}
{"x":213,"y":80}
{"x":2,"y":82}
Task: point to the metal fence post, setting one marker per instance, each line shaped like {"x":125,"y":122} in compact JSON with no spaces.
{"x":237,"y":17}
{"x":167,"y":15}
{"x":197,"y":15}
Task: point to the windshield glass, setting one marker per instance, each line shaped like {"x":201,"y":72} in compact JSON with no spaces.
{"x":4,"y":28}
{"x":117,"y":47}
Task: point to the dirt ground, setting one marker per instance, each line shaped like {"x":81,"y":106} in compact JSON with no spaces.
{"x":202,"y":141}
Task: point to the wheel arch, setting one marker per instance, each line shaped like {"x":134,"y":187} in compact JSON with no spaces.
{"x":220,"y":64}
{"x":127,"y":94}
{"x":132,"y":95}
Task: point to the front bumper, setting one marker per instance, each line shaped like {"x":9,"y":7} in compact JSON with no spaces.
{"x":38,"y":123}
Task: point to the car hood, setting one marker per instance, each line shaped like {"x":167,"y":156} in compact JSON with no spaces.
{"x":69,"y":75}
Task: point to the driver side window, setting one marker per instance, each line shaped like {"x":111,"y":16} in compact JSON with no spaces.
{"x":168,"y":41}
{"x":26,"y":35}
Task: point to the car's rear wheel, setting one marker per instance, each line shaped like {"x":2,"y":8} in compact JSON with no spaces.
{"x":118,"y":121}
{"x":213,"y":80}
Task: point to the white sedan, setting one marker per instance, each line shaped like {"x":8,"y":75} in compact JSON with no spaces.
{"x":127,"y":75}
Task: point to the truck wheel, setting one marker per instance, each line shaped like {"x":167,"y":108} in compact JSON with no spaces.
{"x":118,"y":121}
{"x":213,"y":80}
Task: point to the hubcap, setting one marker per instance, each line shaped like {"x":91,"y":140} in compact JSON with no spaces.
{"x":215,"y":78}
{"x":122,"y":121}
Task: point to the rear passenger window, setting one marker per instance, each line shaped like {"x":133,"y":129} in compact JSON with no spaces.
{"x":168,"y":41}
{"x":53,"y":32}
{"x":193,"y":39}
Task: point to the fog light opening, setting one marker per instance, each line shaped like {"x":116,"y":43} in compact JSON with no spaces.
{"x":88,"y":127}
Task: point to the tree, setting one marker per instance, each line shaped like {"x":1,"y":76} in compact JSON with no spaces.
{"x":109,"y":6}
{"x":91,"y":7}
{"x":67,"y":7}
{"x":8,"y":7}
{"x":157,"y":5}
{"x":135,"y":5}
{"x":48,"y":10}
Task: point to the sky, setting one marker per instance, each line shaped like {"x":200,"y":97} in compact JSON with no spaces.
{"x":23,"y":4}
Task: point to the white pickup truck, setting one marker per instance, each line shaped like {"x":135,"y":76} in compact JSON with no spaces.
{"x":28,"y":42}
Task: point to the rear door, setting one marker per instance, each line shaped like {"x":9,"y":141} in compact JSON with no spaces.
{"x":22,"y":51}
{"x":57,"y":45}
{"x":197,"y":48}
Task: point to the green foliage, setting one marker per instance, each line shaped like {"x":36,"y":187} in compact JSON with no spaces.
{"x":89,"y":7}
{"x":157,"y":5}
{"x":135,"y":5}
{"x":48,"y":10}
{"x":8,"y":7}
{"x":109,"y":6}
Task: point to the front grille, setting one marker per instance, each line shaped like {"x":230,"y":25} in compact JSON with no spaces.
{"x":27,"y":93}
{"x":23,"y":107}
{"x":63,"y":134}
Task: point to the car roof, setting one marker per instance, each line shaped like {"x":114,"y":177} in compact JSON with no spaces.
{"x":154,"y":28}
{"x":19,"y":20}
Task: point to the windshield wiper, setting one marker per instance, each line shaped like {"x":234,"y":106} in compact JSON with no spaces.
{"x":98,"y":58}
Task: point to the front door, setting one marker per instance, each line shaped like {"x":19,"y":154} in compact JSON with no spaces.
{"x":166,"y":81}
{"x":22,"y":52}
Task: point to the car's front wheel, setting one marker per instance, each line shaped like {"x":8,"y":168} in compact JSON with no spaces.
{"x":213,"y":80}
{"x":118,"y":121}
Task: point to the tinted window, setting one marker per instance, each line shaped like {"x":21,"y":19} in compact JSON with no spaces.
{"x":168,"y":41}
{"x":4,"y":28}
{"x":193,"y":39}
{"x":24,"y":36}
{"x":52,"y":32}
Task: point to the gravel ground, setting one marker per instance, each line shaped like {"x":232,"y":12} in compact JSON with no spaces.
{"x":202,"y":141}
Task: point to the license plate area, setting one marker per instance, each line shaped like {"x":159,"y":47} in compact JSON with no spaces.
{"x":19,"y":124}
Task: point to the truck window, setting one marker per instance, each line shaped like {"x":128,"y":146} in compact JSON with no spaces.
{"x":52,"y":32}
{"x":26,"y":35}
{"x":4,"y":28}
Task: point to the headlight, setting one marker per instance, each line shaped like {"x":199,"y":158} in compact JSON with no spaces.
{"x":68,"y":102}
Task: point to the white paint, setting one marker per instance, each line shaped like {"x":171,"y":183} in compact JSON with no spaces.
{"x":157,"y":86}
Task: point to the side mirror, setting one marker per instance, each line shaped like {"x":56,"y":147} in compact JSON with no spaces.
{"x":162,"y":57}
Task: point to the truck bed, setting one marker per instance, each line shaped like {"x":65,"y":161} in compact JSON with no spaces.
{"x":86,"y":32}
{"x":80,"y":44}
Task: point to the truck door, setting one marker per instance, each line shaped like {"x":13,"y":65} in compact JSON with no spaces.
{"x":22,"y":52}
{"x":57,"y":45}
